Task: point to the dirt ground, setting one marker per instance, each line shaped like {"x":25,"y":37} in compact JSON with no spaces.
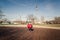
{"x":22,"y":33}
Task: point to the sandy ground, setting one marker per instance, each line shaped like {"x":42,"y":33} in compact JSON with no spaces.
{"x":22,"y":33}
{"x":35,"y":26}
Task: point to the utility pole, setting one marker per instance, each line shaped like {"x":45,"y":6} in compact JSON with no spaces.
{"x":36,"y":7}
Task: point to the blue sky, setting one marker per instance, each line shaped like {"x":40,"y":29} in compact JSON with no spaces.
{"x":13,"y":9}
